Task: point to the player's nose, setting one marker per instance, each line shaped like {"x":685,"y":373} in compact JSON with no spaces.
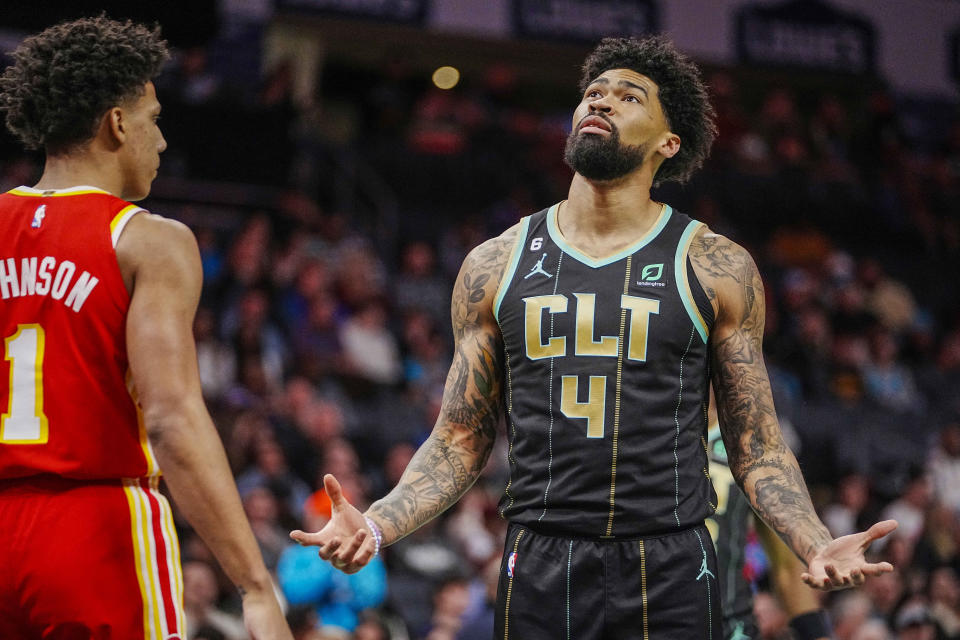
{"x":600,"y":105}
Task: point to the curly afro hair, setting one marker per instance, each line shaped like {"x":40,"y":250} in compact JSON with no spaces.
{"x":65,"y":78}
{"x":682,"y":92}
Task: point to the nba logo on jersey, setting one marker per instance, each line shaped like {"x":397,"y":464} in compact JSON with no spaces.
{"x":38,"y":216}
{"x":511,"y":563}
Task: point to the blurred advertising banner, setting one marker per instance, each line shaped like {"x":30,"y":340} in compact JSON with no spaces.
{"x":406,"y":11}
{"x":809,"y":34}
{"x":584,"y":20}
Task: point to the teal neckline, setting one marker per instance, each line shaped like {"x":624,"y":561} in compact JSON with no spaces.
{"x":567,"y":248}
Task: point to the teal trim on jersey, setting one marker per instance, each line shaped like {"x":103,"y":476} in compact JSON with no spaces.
{"x":507,"y":276}
{"x":554,"y":230}
{"x":680,"y":275}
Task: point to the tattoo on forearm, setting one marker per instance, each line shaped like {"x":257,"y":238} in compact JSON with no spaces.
{"x":759,"y":459}
{"x":448,"y":463}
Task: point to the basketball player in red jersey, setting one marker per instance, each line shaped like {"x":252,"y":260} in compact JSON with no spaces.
{"x":98,"y":298}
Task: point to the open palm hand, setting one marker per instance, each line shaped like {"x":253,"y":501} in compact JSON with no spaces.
{"x":345,"y":541}
{"x":841,"y":564}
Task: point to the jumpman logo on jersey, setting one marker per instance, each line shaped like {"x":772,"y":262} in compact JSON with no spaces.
{"x":538,"y":268}
{"x":38,"y":216}
{"x":704,"y":571}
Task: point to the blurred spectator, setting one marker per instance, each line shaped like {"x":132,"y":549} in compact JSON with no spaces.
{"x":371,"y":627}
{"x":884,"y":593}
{"x":466,"y":526}
{"x":477,"y":619}
{"x":888,"y":300}
{"x":938,"y":545}
{"x":216,"y":361}
{"x":188,"y":80}
{"x":304,"y":622}
{"x":312,"y":280}
{"x":360,"y":274}
{"x":263,"y":512}
{"x":843,"y":515}
{"x":944,"y":592}
{"x":418,"y":285}
{"x":771,"y":618}
{"x":318,"y":346}
{"x":200,"y":596}
{"x":259,"y":346}
{"x":943,"y":379}
{"x":418,"y":565}
{"x":872,"y":630}
{"x":851,"y":611}
{"x":450,"y":601}
{"x":944,"y":466}
{"x":851,"y":315}
{"x":211,"y":256}
{"x":427,"y":355}
{"x":369,"y":348}
{"x":910,"y":508}
{"x":269,"y":470}
{"x":913,"y":621}
{"x":247,"y":264}
{"x":888,"y":382}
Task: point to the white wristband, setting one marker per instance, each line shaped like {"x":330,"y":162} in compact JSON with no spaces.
{"x":377,"y":535}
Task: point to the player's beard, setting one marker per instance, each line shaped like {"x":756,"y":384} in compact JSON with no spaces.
{"x":598,"y":157}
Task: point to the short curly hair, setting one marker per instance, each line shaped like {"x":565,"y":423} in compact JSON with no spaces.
{"x":65,"y":78}
{"x":682,"y":92}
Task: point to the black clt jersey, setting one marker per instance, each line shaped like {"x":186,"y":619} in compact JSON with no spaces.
{"x":729,"y":527}
{"x":607,"y":383}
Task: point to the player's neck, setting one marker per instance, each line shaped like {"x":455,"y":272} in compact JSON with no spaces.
{"x":620,"y":209}
{"x":86,"y":168}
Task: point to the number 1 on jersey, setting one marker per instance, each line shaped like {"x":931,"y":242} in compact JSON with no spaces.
{"x":24,"y":421}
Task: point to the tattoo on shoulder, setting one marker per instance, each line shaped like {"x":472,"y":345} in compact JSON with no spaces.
{"x":724,"y":263}
{"x":479,"y":278}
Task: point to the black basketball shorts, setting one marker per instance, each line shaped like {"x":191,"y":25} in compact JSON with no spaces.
{"x":661,"y":587}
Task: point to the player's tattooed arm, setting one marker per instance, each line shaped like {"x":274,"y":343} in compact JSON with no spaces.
{"x":761,"y":462}
{"x":451,"y":459}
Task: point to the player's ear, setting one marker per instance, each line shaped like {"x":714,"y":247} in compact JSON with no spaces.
{"x":114,"y":125}
{"x":669,"y":145}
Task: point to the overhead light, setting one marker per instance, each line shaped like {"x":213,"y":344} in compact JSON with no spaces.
{"x":446,"y":77}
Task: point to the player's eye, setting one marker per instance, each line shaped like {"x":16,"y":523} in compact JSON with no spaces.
{"x":630,"y":98}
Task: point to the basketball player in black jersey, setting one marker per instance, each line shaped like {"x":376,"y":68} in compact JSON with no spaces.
{"x":598,"y":324}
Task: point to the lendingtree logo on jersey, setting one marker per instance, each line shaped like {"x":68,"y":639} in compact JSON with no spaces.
{"x":652,"y":272}
{"x":650,"y":276}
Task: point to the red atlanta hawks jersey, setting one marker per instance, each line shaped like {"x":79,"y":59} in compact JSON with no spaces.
{"x":69,"y":405}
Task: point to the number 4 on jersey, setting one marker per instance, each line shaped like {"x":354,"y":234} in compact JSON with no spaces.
{"x":24,"y":421}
